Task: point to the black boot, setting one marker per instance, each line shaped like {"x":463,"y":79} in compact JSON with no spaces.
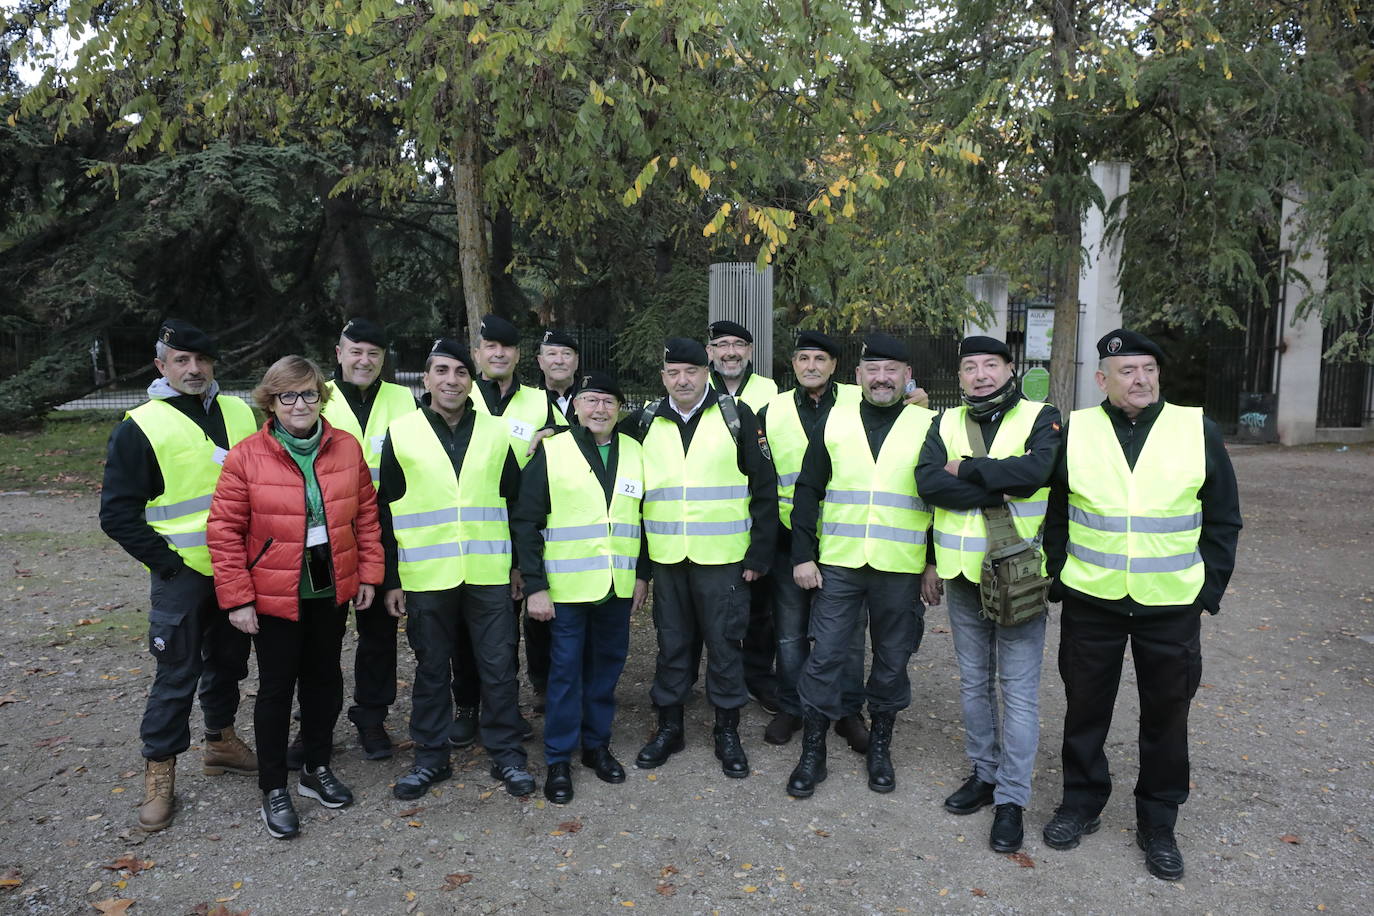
{"x":880,"y":775}
{"x":811,"y":767}
{"x":729,"y":751}
{"x":665,"y":742}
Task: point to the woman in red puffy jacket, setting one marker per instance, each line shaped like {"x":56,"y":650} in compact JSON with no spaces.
{"x":293,"y":537}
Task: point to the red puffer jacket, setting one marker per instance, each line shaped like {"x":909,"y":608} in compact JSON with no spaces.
{"x":256,"y":531}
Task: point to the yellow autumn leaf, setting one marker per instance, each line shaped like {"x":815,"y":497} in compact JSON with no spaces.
{"x":672,"y":163}
{"x":899,"y":169}
{"x":699,"y":177}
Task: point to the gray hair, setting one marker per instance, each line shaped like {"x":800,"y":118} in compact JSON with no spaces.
{"x":160,"y":350}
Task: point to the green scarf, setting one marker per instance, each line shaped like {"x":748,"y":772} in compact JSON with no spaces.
{"x":303,"y":452}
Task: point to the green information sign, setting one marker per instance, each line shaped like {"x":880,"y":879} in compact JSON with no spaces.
{"x":1035,"y":384}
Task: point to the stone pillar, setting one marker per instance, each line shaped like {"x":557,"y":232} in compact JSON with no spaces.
{"x":991,"y":289}
{"x":1300,"y":349}
{"x":1098,"y":288}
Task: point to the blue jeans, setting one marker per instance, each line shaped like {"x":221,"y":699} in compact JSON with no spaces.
{"x":990,"y":655}
{"x":792,"y":628}
{"x":587,"y":649}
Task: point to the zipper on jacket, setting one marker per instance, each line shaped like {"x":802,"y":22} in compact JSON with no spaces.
{"x":266,"y":544}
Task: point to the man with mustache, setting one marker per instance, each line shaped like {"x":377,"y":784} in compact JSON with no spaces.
{"x":448,"y":475}
{"x":791,"y":420}
{"x":363,"y":406}
{"x":1141,"y":534}
{"x":710,"y":519}
{"x":859,"y":536}
{"x":161,"y":469}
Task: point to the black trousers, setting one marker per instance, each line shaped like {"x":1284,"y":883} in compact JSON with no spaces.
{"x":759,"y":646}
{"x":374,"y":665}
{"x":434,"y":620}
{"x":467,"y":686}
{"x":1167,"y":652}
{"x":302,"y":652}
{"x":196,"y":648}
{"x":712,"y":601}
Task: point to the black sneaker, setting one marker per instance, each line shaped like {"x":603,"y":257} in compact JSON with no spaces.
{"x":375,"y":741}
{"x":518,"y":780}
{"x":417,"y":782}
{"x":1162,"y":856}
{"x":322,"y":785}
{"x":1067,"y":827}
{"x":279,"y":814}
{"x":463,"y":731}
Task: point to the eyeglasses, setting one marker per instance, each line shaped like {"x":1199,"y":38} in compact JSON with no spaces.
{"x":609,"y":403}
{"x":288,"y":398}
{"x":731,"y":344}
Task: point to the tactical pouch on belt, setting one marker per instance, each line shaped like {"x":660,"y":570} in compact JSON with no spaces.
{"x":1011,"y":586}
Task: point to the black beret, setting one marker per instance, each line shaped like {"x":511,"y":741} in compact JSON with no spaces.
{"x":980,"y":344}
{"x":815,"y":340}
{"x":182,"y":335}
{"x":882,"y":346}
{"x":363,"y":330}
{"x":599,"y":382}
{"x":454,"y":349}
{"x":497,"y":329}
{"x":726,"y":328}
{"x":684,"y":350}
{"x":559,"y":339}
{"x":1122,"y":342}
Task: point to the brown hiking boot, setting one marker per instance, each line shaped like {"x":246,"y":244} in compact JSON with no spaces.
{"x":159,"y":794}
{"x":229,"y":755}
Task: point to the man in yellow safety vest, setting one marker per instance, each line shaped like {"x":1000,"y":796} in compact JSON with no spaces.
{"x":161,"y":468}
{"x":1141,"y":534}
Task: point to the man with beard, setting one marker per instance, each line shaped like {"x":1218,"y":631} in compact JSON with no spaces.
{"x":859,"y":536}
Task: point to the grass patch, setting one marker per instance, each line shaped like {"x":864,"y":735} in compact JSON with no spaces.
{"x":66,"y":453}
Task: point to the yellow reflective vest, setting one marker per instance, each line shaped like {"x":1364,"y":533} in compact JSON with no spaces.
{"x":871,"y":514}
{"x":961,"y":536}
{"x":787,"y":441}
{"x":390,"y":402}
{"x":757,"y":391}
{"x":591,"y":549}
{"x":696,"y":503}
{"x":190,"y":463}
{"x":450,"y":530}
{"x":1135,"y":531}
{"x":526,"y":413}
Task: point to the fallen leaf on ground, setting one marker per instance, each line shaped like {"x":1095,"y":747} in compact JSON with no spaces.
{"x":11,"y":877}
{"x":979,"y":892}
{"x":1290,"y":838}
{"x":130,"y":863}
{"x":667,"y":870}
{"x":113,"y":905}
{"x":8,"y":698}
{"x":88,"y":621}
{"x":1020,"y":858}
{"x":52,"y":742}
{"x":666,"y":890}
{"x":409,"y":812}
{"x":456,"y":880}
{"x":570,"y":826}
{"x":819,"y":832}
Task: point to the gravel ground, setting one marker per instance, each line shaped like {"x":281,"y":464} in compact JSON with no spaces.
{"x":1279,"y":820}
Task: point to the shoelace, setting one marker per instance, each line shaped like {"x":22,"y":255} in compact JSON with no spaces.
{"x":279,"y":804}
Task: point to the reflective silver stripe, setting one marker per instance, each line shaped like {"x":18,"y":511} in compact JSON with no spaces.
{"x":425,"y":519}
{"x":958,"y":542}
{"x":376,"y":475}
{"x":621,"y":530}
{"x":848,"y":497}
{"x":432,"y":552}
{"x":1176,"y":563}
{"x":1029,"y":509}
{"x":718,"y":492}
{"x":177,"y":510}
{"x":573,"y":532}
{"x":451,"y":549}
{"x":844,"y":530}
{"x":189,"y":539}
{"x":1097,"y":558}
{"x":1099,"y":522}
{"x":787,"y":480}
{"x":699,"y":529}
{"x":785,"y":499}
{"x":590,"y":564}
{"x":483,"y":513}
{"x":659,"y":494}
{"x":486,"y":547}
{"x":1170,"y":524}
{"x":898,"y":501}
{"x":901,"y":535}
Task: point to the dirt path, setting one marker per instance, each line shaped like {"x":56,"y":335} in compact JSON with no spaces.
{"x":1280,"y":819}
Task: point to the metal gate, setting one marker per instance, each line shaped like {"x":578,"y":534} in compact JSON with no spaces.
{"x":743,"y":294}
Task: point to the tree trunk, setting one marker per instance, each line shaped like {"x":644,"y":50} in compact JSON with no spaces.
{"x":473,"y":259}
{"x":1063,"y":187}
{"x":349,"y":253}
